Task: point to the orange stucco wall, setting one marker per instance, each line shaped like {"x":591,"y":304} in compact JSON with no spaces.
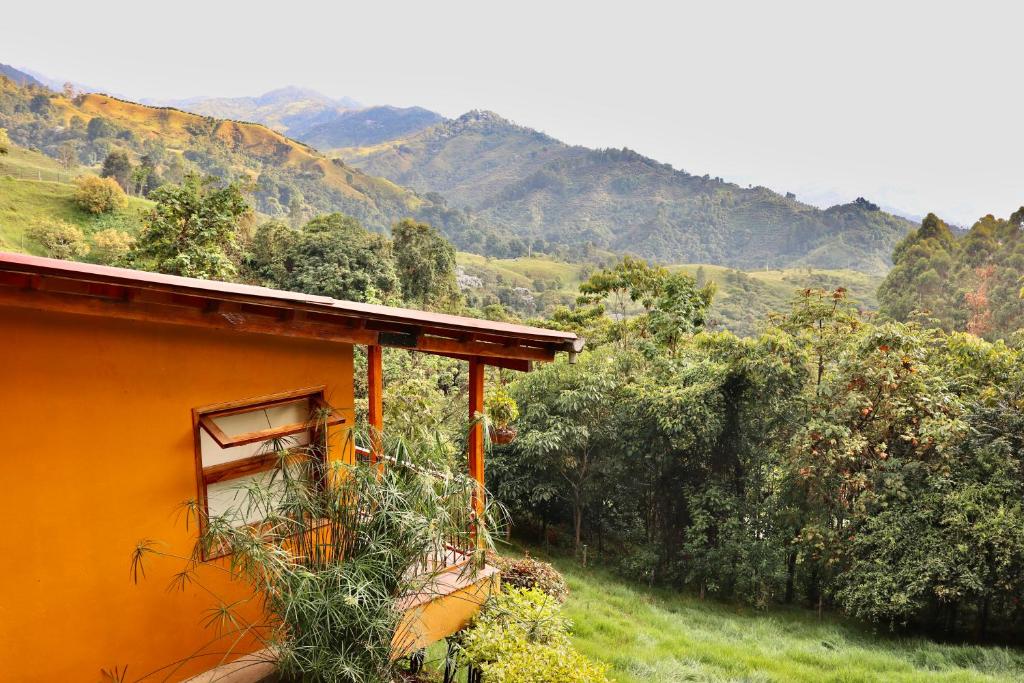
{"x":97,"y":454}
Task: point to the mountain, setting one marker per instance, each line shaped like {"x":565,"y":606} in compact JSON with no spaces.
{"x":312,"y":117}
{"x":282,"y":109}
{"x":284,"y":178}
{"x":19,"y":77}
{"x":368,"y":126}
{"x":547,"y":193}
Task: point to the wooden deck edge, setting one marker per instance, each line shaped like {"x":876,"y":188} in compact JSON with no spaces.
{"x":257,"y":667}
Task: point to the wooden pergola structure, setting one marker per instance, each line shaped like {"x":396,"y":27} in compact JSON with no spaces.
{"x":94,"y":290}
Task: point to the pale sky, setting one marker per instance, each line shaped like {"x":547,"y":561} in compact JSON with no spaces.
{"x":917,"y":106}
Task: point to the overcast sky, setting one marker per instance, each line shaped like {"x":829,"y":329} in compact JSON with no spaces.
{"x":913,"y":105}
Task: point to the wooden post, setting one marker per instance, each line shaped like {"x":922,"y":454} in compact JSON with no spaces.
{"x":476,"y":434}
{"x":375,"y":391}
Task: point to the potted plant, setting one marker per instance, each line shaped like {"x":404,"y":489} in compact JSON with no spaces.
{"x":501,"y":411}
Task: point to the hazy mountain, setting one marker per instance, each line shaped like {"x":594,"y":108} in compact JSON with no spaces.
{"x":366,"y":126}
{"x":18,"y":76}
{"x":530,"y":185}
{"x":283,"y":109}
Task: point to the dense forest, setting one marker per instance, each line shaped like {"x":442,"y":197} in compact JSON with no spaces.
{"x":969,"y":282}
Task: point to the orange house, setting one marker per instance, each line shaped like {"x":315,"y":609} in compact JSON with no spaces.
{"x":125,"y":393}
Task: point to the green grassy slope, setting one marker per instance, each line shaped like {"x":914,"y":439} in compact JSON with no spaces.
{"x":24,"y":200}
{"x":653,"y":636}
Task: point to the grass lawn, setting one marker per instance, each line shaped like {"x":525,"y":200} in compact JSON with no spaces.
{"x":655,"y":636}
{"x":24,"y":202}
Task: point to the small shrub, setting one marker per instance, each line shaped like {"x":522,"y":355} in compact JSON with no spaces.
{"x":59,"y":239}
{"x":527,"y":572}
{"x":99,"y":195}
{"x":520,"y":637}
{"x":111,"y":246}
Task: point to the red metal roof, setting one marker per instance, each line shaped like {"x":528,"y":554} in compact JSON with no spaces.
{"x":88,"y":272}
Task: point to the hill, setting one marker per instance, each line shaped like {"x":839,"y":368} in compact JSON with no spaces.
{"x":285,"y":178}
{"x":283,"y":109}
{"x":366,"y":126}
{"x":545,"y":192}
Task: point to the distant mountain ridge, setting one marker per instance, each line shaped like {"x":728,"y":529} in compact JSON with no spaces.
{"x":368,"y":126}
{"x":282,"y":109}
{"x":311,"y":117}
{"x":18,"y":76}
{"x":527,"y":183}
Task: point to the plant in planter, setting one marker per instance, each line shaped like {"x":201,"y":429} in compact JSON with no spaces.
{"x":502,"y":410}
{"x":337,"y":548}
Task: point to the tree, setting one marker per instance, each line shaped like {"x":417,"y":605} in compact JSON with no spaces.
{"x":118,"y":166}
{"x":335,"y":256}
{"x":679,"y":309}
{"x":566,"y":431}
{"x":40,"y":104}
{"x":100,"y":128}
{"x":5,"y":142}
{"x":111,"y":246}
{"x":99,"y":195}
{"x":263,"y":261}
{"x":192,"y":229}
{"x":425,"y":262}
{"x":59,"y":239}
{"x":67,"y":155}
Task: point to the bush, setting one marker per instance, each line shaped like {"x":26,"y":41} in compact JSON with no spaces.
{"x":520,"y":637}
{"x":99,"y":195}
{"x":527,"y":572}
{"x":112,"y":245}
{"x":59,"y":239}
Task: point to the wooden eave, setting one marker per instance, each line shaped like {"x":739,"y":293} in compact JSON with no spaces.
{"x":86,"y":289}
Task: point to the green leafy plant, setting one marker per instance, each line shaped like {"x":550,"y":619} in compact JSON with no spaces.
{"x":520,"y":637}
{"x":59,"y":239}
{"x":501,"y":408}
{"x":99,"y":195}
{"x":337,"y":549}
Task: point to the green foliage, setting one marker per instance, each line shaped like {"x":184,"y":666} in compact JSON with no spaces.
{"x":328,"y":550}
{"x":565,"y":437}
{"x":59,"y":239}
{"x":112,"y":246}
{"x":331,"y":256}
{"x":118,"y":166}
{"x":99,"y":195}
{"x":520,"y":637}
{"x":969,"y":283}
{"x":425,"y":262}
{"x":192,"y":229}
{"x":501,"y":408}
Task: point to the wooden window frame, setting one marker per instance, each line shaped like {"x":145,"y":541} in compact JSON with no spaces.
{"x":203,"y":420}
